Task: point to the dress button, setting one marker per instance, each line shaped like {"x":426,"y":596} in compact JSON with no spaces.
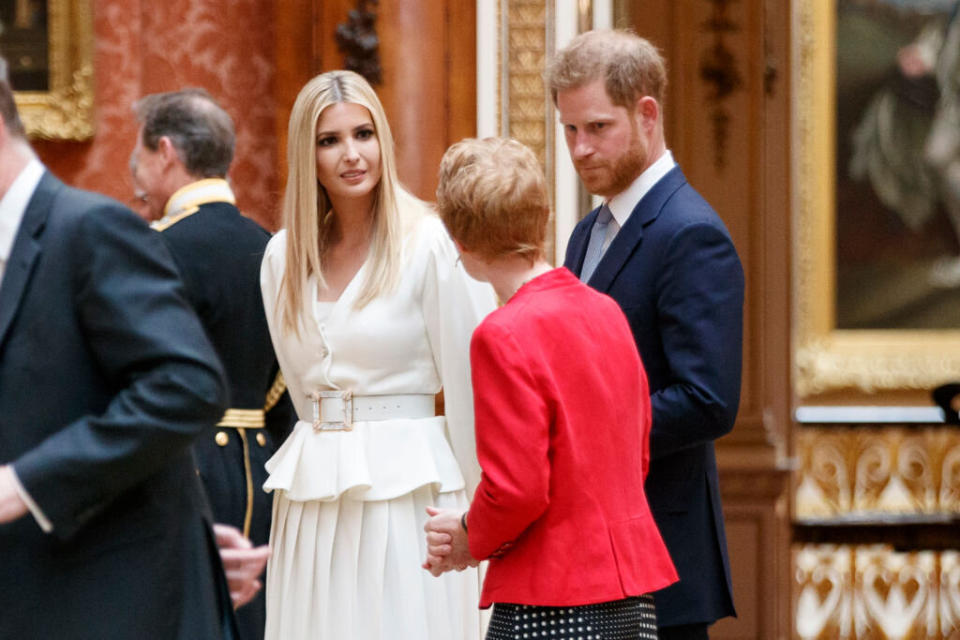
{"x":261,"y":440}
{"x":324,"y":352}
{"x":222,"y":438}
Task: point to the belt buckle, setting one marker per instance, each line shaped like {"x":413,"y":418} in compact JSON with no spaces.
{"x":346,"y":424}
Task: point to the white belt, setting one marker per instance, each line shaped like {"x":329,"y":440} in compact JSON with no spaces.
{"x":338,"y":410}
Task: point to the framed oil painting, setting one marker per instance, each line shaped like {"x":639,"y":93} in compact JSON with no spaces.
{"x":48,"y":45}
{"x":877,"y":195}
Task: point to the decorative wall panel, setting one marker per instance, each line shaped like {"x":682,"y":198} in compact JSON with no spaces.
{"x":863,"y":473}
{"x":866,"y":592}
{"x":528,"y":53}
{"x":527,"y":117}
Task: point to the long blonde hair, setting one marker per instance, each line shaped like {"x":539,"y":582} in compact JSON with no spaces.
{"x":307,"y":212}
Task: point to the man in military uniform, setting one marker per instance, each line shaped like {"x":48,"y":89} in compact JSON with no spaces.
{"x":183,"y":151}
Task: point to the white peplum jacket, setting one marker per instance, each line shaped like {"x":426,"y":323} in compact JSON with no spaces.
{"x":413,"y":340}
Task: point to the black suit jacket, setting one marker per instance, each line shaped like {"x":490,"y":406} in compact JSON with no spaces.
{"x":675,"y":273}
{"x":106,"y":378}
{"x":218,"y":253}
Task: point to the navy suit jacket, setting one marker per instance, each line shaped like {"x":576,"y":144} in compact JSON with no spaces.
{"x":675,"y":273}
{"x":106,"y":377}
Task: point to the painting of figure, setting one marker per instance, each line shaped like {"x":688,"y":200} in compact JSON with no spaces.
{"x":24,"y":43}
{"x":898,"y":164}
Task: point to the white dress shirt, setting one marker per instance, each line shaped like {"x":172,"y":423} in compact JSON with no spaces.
{"x":12,"y":207}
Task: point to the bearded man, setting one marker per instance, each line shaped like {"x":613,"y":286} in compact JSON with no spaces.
{"x":660,"y":251}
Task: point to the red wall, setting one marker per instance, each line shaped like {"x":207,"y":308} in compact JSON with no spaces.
{"x":145,"y":46}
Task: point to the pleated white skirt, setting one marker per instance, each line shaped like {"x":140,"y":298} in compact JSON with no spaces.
{"x":351,"y":570}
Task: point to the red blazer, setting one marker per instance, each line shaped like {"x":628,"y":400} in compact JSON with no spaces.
{"x":562,"y":426}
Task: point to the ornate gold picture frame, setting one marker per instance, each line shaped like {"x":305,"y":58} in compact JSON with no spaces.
{"x":65,"y":110}
{"x":828,"y":359}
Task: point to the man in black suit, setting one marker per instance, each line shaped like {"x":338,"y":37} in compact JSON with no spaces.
{"x":106,"y":377}
{"x":179,"y":164}
{"x":664,"y":255}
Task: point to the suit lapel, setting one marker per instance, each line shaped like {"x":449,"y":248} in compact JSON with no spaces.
{"x":628,"y":238}
{"x":25,"y":252}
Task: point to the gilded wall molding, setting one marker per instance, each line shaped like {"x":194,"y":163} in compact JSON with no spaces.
{"x":65,"y":112}
{"x":527,"y":101}
{"x":526,"y":29}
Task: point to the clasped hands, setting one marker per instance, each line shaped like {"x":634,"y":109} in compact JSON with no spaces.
{"x":242,"y":563}
{"x":447,"y":546}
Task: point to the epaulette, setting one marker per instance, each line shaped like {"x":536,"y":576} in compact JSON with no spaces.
{"x":165,"y":223}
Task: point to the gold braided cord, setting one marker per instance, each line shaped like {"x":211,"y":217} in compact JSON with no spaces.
{"x":273,"y":396}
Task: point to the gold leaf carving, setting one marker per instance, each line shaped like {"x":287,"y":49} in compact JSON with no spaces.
{"x":845,"y":592}
{"x":878,"y":472}
{"x":66,"y":111}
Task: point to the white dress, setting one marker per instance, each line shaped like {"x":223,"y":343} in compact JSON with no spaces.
{"x":349,"y":506}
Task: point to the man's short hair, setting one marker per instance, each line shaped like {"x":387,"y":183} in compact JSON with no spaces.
{"x":492,"y":197}
{"x":629,"y":65}
{"x":8,"y":104}
{"x":200,"y":130}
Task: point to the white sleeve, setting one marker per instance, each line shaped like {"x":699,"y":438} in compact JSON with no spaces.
{"x":930,"y":41}
{"x":271,"y":274}
{"x":453,"y":306}
{"x":42,"y":520}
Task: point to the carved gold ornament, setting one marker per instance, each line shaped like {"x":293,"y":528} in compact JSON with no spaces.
{"x":65,"y":112}
{"x":847,"y":592}
{"x":877,"y":473}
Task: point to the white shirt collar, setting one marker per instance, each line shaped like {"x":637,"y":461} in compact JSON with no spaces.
{"x":622,"y":204}
{"x":14,"y":204}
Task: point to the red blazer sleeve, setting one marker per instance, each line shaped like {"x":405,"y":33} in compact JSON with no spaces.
{"x":513,"y":435}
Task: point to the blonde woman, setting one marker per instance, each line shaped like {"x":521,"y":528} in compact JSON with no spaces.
{"x":370,"y":315}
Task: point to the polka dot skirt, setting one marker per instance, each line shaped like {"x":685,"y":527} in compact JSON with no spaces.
{"x":628,"y":619}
